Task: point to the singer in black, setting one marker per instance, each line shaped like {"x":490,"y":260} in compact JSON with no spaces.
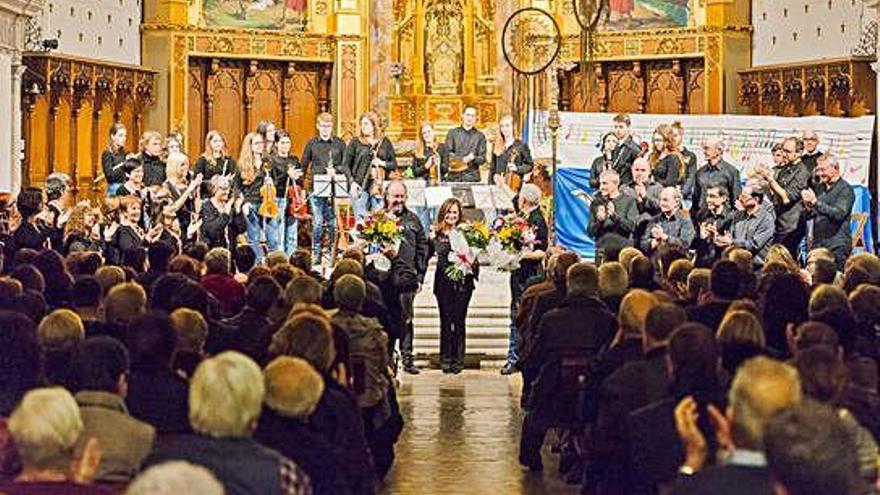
{"x":511,"y":157}
{"x":613,"y":215}
{"x":367,"y":159}
{"x":214,"y":161}
{"x":627,"y":149}
{"x":453,"y":296}
{"x":431,"y":163}
{"x":605,"y":161}
{"x":113,"y":159}
{"x":322,"y":152}
{"x":467,"y":148}
{"x":830,"y":206}
{"x":219,"y":213}
{"x":150,"y":156}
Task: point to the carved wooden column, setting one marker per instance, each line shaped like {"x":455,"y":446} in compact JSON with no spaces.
{"x":76,"y":97}
{"x":101,"y":88}
{"x":54,"y":101}
{"x":249,"y":86}
{"x":210,"y":85}
{"x":325,"y":75}
{"x":602,"y":83}
{"x":29,"y":100}
{"x":681,"y":98}
{"x":286,"y":97}
{"x":641,"y":75}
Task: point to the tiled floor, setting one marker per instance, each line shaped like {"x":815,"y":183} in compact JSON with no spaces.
{"x":462,"y":437}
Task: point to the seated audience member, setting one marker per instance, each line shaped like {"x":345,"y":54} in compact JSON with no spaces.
{"x":580,"y":326}
{"x":302,"y":259}
{"x":192,"y":332}
{"x":527,"y":302}
{"x":724,"y":283}
{"x":761,"y":388}
{"x":226,"y":397}
{"x":109,"y":276}
{"x":808,"y":452}
{"x":653,"y":448}
{"x":823,"y":378}
{"x":368,"y":348}
{"x":59,"y":283}
{"x":698,"y":286}
{"x":374,"y":304}
{"x":87,"y":296}
{"x":626,"y":256}
{"x":59,"y":333}
{"x":246,"y":332}
{"x":277,"y":258}
{"x":124,"y":303}
{"x":826,"y":297}
{"x":20,"y":371}
{"x":284,"y":273}
{"x":244,"y":260}
{"x":30,"y":278}
{"x":220,"y":282}
{"x":174,"y":478}
{"x":613,"y":284}
{"x":156,"y":394}
{"x":100,"y":372}
{"x":669,"y":226}
{"x":337,"y":416}
{"x":186,"y":265}
{"x":159,"y":255}
{"x":860,"y":395}
{"x":293,"y":390}
{"x":300,"y":290}
{"x":677,"y":277}
{"x":641,"y":274}
{"x":785,"y":301}
{"x":741,"y":338}
{"x":46,"y":426}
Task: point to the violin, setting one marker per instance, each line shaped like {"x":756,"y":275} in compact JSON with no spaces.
{"x":268,"y":205}
{"x":297,"y":206}
{"x":511,"y":178}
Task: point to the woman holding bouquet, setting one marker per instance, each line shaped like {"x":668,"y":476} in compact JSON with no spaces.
{"x":453,"y":283}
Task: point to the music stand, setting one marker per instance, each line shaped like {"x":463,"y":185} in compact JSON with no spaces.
{"x":331,"y":186}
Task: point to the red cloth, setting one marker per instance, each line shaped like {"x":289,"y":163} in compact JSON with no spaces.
{"x":296,"y":5}
{"x":622,"y":6}
{"x":228,"y":291}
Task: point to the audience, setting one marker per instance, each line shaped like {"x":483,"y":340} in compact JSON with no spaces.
{"x":173,"y":478}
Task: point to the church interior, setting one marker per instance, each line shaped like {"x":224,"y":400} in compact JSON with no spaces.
{"x":563,"y":73}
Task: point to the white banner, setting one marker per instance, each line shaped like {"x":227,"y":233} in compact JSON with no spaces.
{"x":747,"y":138}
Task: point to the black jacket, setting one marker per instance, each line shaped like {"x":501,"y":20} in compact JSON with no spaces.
{"x":624,"y":156}
{"x":209,"y":168}
{"x":358,"y":156}
{"x":318,"y":153}
{"x":408,"y":268}
{"x":831,"y":227}
{"x":620,"y":226}
{"x":522,"y":160}
{"x":112,"y":165}
{"x":419,"y":166}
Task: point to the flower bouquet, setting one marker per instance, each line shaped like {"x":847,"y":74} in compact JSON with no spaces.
{"x":513,"y":237}
{"x":466,"y":242}
{"x":380,"y":231}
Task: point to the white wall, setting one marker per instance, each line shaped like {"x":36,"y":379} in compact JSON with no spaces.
{"x":98,"y":29}
{"x":793,"y":31}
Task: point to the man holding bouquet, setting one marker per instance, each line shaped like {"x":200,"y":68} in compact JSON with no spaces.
{"x":409,"y":262}
{"x":530,"y":263}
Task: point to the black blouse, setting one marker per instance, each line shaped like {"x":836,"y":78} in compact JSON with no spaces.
{"x":523,"y":160}
{"x":441,"y":246}
{"x":209,"y":168}
{"x":280,"y":166}
{"x":358,"y":156}
{"x":667,"y":170}
{"x":419,"y":166}
{"x":110,"y":165}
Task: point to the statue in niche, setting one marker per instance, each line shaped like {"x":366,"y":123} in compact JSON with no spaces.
{"x":444,"y":46}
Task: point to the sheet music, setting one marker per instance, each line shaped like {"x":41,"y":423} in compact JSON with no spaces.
{"x":436,"y":195}
{"x":415,"y":193}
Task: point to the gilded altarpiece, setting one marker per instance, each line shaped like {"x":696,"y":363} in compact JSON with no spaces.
{"x":445,"y":56}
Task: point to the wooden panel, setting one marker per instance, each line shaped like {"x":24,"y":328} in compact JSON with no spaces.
{"x":267,"y":96}
{"x":624,"y":89}
{"x":663,"y":88}
{"x":196,"y":111}
{"x":84,"y":146}
{"x":228,"y":109}
{"x":696,"y":91}
{"x":37,"y":143}
{"x":61,"y":163}
{"x":585,"y":97}
{"x":303,"y":91}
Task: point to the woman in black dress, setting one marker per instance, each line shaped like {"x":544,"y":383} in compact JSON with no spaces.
{"x":368,"y":155}
{"x":430,"y":162}
{"x":214,"y":161}
{"x":219,"y":213}
{"x":113,"y":158}
{"x":605,"y":161}
{"x":453,"y":297}
{"x":510,"y":155}
{"x":130,"y":234}
{"x":667,"y":165}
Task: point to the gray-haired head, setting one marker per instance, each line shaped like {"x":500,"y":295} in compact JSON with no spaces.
{"x":173,"y":478}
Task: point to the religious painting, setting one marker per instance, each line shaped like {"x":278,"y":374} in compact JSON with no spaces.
{"x":257,"y":14}
{"x":622,"y":15}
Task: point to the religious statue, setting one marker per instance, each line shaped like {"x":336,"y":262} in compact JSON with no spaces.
{"x":444,"y":46}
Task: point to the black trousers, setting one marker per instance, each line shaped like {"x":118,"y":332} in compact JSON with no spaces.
{"x":406,"y":336}
{"x":453,"y":306}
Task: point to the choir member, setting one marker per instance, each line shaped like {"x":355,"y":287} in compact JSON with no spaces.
{"x":60,"y":201}
{"x":453,"y":296}
{"x":249,"y":179}
{"x":214,"y":161}
{"x":368,"y":158}
{"x":134,"y":181}
{"x":605,"y":161}
{"x":627,"y":149}
{"x":784,"y":186}
{"x":113,"y":158}
{"x":321,"y":154}
{"x":150,"y":157}
{"x":669,"y":226}
{"x":468,"y":145}
{"x":752,"y":227}
{"x":829,"y":205}
{"x":182,"y":192}
{"x":667,"y":164}
{"x":713,"y":219}
{"x":219,"y":213}
{"x":29,"y":233}
{"x":286,"y":171}
{"x":266,"y":129}
{"x":613,"y":215}
{"x":689,"y":158}
{"x":715,"y":171}
{"x":510,"y":155}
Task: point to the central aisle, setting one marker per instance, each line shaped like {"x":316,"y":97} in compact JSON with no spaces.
{"x":462,"y":436}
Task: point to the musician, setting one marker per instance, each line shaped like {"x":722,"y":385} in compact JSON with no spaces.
{"x":130,"y":234}
{"x":605,"y":161}
{"x":134,"y":182}
{"x":627,"y":149}
{"x":715,"y":218}
{"x":266,"y":129}
{"x":173,"y":144}
{"x":368,"y":157}
{"x":431,"y":163}
{"x":613,"y":215}
{"x":150,"y":157}
{"x":60,"y":201}
{"x":716,"y":171}
{"x":669,"y":226}
{"x":214,"y":161}
{"x":248,"y":181}
{"x":321,"y":153}
{"x":286,"y":172}
{"x":182,"y":192}
{"x":667,"y":164}
{"x":529,"y":202}
{"x":408,"y":267}
{"x":113,"y":158}
{"x":29,"y":233}
{"x":511,"y":157}
{"x":689,"y":158}
{"x":219,"y":213}
{"x":784,"y":186}
{"x":467,"y":144}
{"x":453,"y":297}
{"x":829,"y":205}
